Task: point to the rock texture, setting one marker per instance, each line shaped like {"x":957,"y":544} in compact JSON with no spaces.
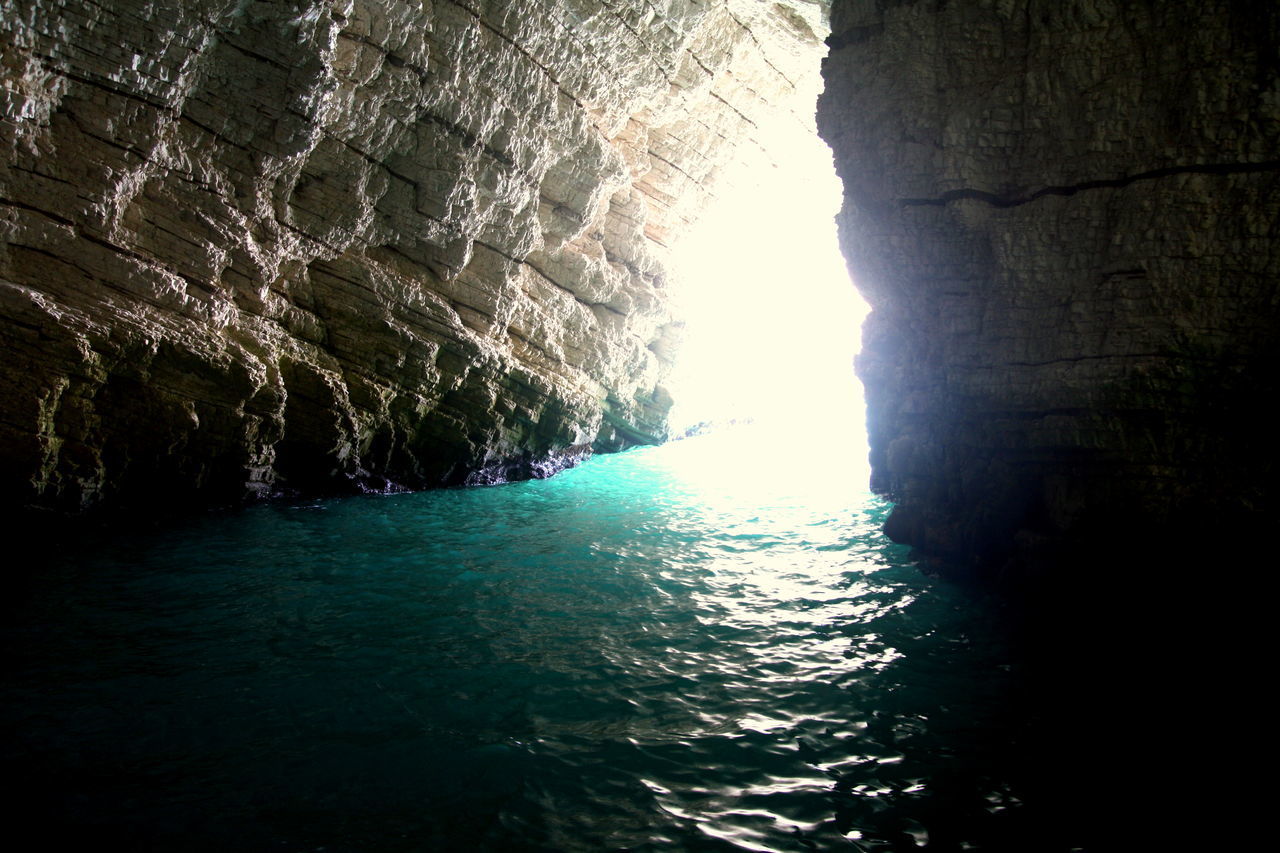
{"x":1065,"y":217}
{"x":254,"y":246}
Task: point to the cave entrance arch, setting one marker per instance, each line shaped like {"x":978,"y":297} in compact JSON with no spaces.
{"x":772,"y":319}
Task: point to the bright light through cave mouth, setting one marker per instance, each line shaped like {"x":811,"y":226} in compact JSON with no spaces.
{"x":772,"y":320}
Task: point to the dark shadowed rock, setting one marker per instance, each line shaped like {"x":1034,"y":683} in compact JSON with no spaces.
{"x":1064,"y":217}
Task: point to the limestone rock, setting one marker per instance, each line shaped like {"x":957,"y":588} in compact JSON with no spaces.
{"x":252,"y":246}
{"x":1064,"y":216}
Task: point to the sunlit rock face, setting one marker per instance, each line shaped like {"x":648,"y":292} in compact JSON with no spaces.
{"x":1064,"y":216}
{"x":258,"y":246}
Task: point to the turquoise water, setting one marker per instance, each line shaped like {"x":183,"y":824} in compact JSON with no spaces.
{"x":679,"y":648}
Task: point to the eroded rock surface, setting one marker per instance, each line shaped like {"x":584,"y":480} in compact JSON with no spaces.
{"x":1065,"y":218}
{"x":257,"y":246}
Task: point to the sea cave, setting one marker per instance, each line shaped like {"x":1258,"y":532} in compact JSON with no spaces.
{"x":324,"y":325}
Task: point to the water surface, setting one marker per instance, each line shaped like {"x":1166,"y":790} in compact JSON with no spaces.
{"x":684,"y":648}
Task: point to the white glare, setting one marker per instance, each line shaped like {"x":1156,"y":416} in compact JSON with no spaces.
{"x":773,"y":321}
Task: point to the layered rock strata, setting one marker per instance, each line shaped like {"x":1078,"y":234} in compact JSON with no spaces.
{"x":251,"y":247}
{"x":1065,"y":217}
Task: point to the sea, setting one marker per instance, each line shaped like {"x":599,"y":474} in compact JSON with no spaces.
{"x":707,"y":645}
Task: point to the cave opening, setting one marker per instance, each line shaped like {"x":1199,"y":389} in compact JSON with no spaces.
{"x":772,"y":320}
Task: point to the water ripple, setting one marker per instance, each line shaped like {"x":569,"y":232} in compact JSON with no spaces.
{"x":648,"y":652}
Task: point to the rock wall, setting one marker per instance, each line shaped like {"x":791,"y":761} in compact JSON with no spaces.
{"x":249,"y":247}
{"x":1064,"y":215}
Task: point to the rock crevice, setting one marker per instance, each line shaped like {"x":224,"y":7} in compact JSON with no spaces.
{"x":996,"y":200}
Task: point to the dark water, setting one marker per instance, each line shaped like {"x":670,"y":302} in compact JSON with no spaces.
{"x":669,"y":649}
